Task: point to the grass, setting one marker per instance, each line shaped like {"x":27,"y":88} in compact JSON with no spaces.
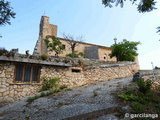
{"x":95,"y":94}
{"x":62,"y":103}
{"x":63,"y":87}
{"x":31,"y":99}
{"x":142,"y":99}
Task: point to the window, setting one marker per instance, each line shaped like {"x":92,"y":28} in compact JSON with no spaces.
{"x":76,"y":70}
{"x":64,"y":47}
{"x":105,"y":57}
{"x":27,"y":73}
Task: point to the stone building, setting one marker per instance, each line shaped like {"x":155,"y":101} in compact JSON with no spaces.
{"x":91,"y":51}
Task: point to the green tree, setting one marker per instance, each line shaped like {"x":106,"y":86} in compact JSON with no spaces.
{"x":6,"y":12}
{"x":142,"y":5}
{"x":76,"y":55}
{"x":124,"y":51}
{"x":158,"y":29}
{"x":54,"y":45}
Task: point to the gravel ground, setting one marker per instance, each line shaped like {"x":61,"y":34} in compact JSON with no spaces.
{"x":67,"y":104}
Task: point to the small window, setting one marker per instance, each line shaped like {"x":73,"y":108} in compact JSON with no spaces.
{"x":27,"y":73}
{"x":76,"y":70}
{"x":105,"y":57}
{"x":64,"y":47}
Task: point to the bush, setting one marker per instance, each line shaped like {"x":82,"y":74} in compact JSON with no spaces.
{"x":3,"y":51}
{"x":49,"y":82}
{"x":44,"y":56}
{"x":144,"y":86}
{"x":76,"y":54}
{"x":63,"y":87}
{"x":137,"y":107}
{"x":127,"y":97}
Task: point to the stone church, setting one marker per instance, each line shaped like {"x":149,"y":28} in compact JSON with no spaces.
{"x":90,"y":51}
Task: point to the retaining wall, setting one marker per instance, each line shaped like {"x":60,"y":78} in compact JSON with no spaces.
{"x":11,"y":91}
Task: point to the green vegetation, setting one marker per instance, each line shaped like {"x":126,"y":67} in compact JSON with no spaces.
{"x":144,"y":86}
{"x":44,"y":56}
{"x":137,"y":107}
{"x":127,"y":97}
{"x":55,"y":45}
{"x":76,"y":54}
{"x":95,"y":94}
{"x":63,"y":87}
{"x":6,"y":12}
{"x":31,"y":99}
{"x":143,"y":99}
{"x":49,"y":83}
{"x":43,"y":94}
{"x":3,"y":51}
{"x":156,"y":67}
{"x":124,"y":51}
{"x":72,"y":42}
{"x":143,"y":5}
{"x":62,"y":103}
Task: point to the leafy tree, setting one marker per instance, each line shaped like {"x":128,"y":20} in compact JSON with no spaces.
{"x":142,"y":5}
{"x":77,"y":54}
{"x":158,"y":29}
{"x":124,"y":51}
{"x":55,"y":45}
{"x":6,"y":12}
{"x":73,"y":42}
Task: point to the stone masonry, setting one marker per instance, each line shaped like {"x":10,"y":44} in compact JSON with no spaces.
{"x":71,"y":76}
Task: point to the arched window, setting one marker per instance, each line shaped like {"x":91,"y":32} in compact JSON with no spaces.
{"x":105,"y":57}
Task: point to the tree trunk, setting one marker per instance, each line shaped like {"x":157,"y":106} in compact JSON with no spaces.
{"x":73,"y":53}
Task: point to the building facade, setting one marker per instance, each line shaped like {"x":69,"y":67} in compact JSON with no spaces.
{"x":90,"y":51}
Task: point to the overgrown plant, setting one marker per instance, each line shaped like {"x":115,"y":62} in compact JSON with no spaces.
{"x":3,"y":51}
{"x":144,"y":86}
{"x":44,"y":56}
{"x":49,"y":83}
{"x":76,"y":54}
{"x":54,"y":44}
{"x":143,"y":99}
{"x":137,"y":107}
{"x":31,"y":99}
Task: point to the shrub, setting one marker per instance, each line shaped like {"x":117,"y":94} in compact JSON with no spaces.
{"x":76,"y":55}
{"x":44,"y":56}
{"x":49,"y":82}
{"x":3,"y":51}
{"x":137,"y":107}
{"x":127,"y":97}
{"x":144,"y":86}
{"x":95,"y":94}
{"x":63,"y":87}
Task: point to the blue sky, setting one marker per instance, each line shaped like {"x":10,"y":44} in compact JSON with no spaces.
{"x":98,"y":25}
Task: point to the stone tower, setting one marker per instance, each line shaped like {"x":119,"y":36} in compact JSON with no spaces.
{"x":45,"y":29}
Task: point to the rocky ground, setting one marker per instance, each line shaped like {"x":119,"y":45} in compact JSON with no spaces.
{"x":89,"y":102}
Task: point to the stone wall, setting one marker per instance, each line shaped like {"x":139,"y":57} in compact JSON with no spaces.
{"x":153,"y":75}
{"x":11,"y":91}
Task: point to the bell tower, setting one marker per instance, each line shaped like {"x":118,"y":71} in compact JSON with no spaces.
{"x":44,"y":29}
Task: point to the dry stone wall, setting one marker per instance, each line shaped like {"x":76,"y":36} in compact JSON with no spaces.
{"x":10,"y":91}
{"x":70,"y":76}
